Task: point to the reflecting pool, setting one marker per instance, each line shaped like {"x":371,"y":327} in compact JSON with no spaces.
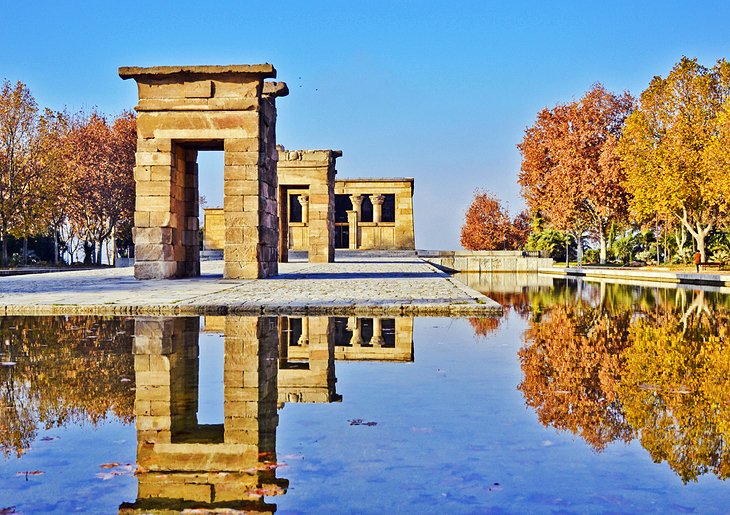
{"x":583,"y":397}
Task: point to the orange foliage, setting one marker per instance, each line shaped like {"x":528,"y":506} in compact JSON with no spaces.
{"x":569,"y":170}
{"x":572,"y":363}
{"x":488,"y":226}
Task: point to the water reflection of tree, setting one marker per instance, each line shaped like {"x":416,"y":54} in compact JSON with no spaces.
{"x":572,"y":368}
{"x":610,"y":362}
{"x":61,"y":370}
{"x":519,"y":302}
{"x":675,"y":389}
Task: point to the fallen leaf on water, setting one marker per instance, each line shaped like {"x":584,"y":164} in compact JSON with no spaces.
{"x":109,"y":465}
{"x":30,"y":473}
{"x":50,"y":438}
{"x":361,"y":422}
{"x":496,"y":487}
{"x":8,"y":510}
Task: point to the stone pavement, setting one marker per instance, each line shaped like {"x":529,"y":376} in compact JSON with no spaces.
{"x":373,"y":286}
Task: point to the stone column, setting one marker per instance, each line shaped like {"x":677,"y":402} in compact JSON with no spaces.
{"x":377,"y":201}
{"x":304,"y":337}
{"x":352,"y":222}
{"x":353,"y":324}
{"x":304,"y":202}
{"x":377,"y":339}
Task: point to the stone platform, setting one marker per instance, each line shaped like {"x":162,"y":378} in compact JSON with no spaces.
{"x":375,"y":286}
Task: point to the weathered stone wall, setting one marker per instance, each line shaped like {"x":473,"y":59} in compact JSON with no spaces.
{"x":379,"y":235}
{"x":485,"y":261}
{"x":185,"y":109}
{"x":310,"y":173}
{"x":374,"y":350}
{"x":214,"y":229}
{"x":307,"y":366}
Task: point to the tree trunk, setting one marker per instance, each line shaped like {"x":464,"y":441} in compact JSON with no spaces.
{"x":602,"y":241}
{"x":579,"y":248}
{"x":55,"y":247}
{"x":25,"y":251}
{"x":5,"y":250}
{"x":88,"y":252}
{"x":98,"y":245}
{"x":699,"y":233}
{"x":567,"y":250}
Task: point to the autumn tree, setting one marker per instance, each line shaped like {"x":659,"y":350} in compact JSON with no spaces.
{"x":20,"y":170}
{"x":102,"y":157}
{"x":672,"y":152}
{"x":487,"y":225}
{"x":570,"y":172}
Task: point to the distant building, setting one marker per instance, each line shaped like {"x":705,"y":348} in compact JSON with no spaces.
{"x":319,"y":214}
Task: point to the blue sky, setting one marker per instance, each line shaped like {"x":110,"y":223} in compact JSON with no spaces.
{"x":438,"y":91}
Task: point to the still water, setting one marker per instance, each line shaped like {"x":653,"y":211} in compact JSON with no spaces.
{"x":584,"y":397}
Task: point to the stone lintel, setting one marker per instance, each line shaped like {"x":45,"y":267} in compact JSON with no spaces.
{"x":374,"y":179}
{"x":306,"y":158}
{"x":275,"y":89}
{"x":264,"y":71}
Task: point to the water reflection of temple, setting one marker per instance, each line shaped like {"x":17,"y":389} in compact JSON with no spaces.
{"x":268,"y":361}
{"x":309,"y":346}
{"x":182,"y":463}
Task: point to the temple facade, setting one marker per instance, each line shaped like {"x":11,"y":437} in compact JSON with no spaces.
{"x":319,"y":214}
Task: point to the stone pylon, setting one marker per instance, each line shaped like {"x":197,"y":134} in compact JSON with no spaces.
{"x":184,"y":109}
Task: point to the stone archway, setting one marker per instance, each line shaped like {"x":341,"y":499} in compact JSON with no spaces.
{"x":183,"y":109}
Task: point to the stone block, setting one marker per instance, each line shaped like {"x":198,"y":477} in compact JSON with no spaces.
{"x":142,"y":173}
{"x":158,"y":204}
{"x":240,"y":187}
{"x":141,"y":219}
{"x":241,"y":269}
{"x":199,"y":89}
{"x":162,"y":219}
{"x":150,"y":488}
{"x":241,"y":158}
{"x":154,"y":269}
{"x":153,"y":158}
{"x":152,"y":235}
{"x":150,"y":423}
{"x":242,"y":145}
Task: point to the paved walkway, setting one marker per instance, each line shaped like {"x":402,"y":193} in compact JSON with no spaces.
{"x":716,"y":278}
{"x":375,"y":286}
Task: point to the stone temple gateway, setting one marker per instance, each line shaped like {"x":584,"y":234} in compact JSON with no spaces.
{"x":184,"y":109}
